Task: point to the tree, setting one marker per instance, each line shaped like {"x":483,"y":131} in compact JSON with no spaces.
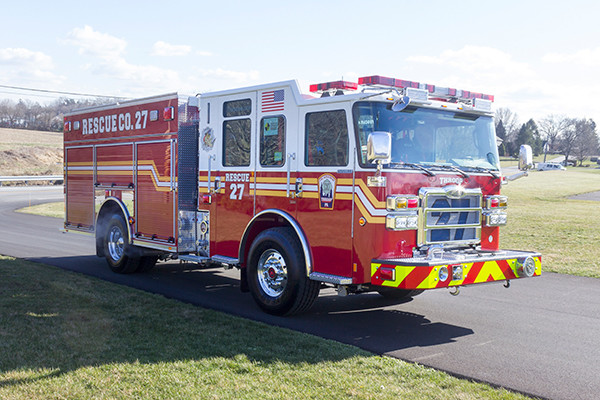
{"x":551,"y":128}
{"x":501,"y":133}
{"x":510,"y":122}
{"x":586,"y":139}
{"x":528,"y":134}
{"x":567,"y":139}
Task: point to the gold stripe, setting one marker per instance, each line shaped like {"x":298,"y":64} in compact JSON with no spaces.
{"x":370,"y":196}
{"x":370,"y":219}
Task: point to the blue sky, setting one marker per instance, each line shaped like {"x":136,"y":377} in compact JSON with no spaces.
{"x":536,"y":57}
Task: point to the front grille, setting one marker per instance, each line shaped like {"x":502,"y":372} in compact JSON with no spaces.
{"x":449,"y":216}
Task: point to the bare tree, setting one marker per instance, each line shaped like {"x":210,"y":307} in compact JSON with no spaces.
{"x":552,"y":127}
{"x":510,"y":122}
{"x":586,"y":139}
{"x":567,"y":139}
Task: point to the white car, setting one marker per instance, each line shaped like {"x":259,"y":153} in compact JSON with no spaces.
{"x":550,"y":166}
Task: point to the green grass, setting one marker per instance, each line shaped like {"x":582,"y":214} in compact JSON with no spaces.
{"x":68,"y":336}
{"x":56,"y":210}
{"x":541,"y":217}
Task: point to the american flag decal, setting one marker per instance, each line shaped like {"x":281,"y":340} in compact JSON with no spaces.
{"x":272,"y":100}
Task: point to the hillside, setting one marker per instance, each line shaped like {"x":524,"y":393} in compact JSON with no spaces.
{"x":25,"y":152}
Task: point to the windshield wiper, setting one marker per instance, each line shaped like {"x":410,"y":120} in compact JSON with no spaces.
{"x":453,"y":168}
{"x":486,"y":170}
{"x":417,"y":166}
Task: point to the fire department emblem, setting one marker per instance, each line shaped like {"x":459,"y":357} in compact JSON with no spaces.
{"x":326,"y":191}
{"x":208,"y":139}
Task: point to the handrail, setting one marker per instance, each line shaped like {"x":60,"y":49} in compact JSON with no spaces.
{"x":27,"y":178}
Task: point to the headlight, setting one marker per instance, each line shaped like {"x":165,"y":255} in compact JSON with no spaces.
{"x":495,"y":218}
{"x":526,"y":267}
{"x":401,"y":222}
{"x":443,"y":274}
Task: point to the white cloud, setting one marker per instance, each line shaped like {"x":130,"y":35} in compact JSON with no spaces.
{"x":583,"y":57}
{"x":164,"y":49}
{"x":204,"y":53}
{"x":24,"y":65}
{"x":107,"y":59}
{"x":25,"y":57}
{"x":94,"y":43}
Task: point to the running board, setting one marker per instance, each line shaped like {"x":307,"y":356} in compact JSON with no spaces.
{"x":193,"y":258}
{"x":226,"y":262}
{"x":334,"y":279}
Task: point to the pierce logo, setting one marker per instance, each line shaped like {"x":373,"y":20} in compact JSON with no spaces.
{"x":456,"y":181}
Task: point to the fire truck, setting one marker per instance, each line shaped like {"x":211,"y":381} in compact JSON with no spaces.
{"x":383,"y":185}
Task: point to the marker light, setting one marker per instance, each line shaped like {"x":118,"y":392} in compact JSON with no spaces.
{"x":492,"y":202}
{"x":396,"y":203}
{"x":387,"y":274}
{"x":169,"y":113}
{"x":317,"y":87}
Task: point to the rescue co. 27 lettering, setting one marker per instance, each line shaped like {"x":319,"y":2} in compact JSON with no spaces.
{"x":115,"y":123}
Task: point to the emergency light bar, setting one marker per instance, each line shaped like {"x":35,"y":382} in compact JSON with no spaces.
{"x":319,"y":87}
{"x":437,"y":92}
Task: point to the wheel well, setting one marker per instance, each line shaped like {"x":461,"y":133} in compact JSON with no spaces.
{"x":110,"y":207}
{"x":271,"y":219}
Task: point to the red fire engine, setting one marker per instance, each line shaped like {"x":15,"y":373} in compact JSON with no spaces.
{"x":386,"y":185}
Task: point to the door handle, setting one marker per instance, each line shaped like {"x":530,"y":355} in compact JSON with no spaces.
{"x":298,"y":191}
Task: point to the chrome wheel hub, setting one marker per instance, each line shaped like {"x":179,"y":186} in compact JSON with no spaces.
{"x":272,"y":273}
{"x":116,"y":243}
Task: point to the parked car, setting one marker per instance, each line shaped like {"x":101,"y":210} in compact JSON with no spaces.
{"x":550,"y":166}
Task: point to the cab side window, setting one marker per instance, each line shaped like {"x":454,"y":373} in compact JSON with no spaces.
{"x":236,"y":133}
{"x":272,"y":141}
{"x":326,"y":141}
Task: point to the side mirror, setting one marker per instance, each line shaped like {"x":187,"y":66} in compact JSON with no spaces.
{"x":525,"y":157}
{"x":379,"y":147}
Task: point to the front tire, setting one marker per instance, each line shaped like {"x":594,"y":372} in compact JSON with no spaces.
{"x":277,"y":273}
{"x":116,"y":247}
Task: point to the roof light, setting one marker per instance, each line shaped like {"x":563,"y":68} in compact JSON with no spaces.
{"x":318,"y":87}
{"x":385,"y":81}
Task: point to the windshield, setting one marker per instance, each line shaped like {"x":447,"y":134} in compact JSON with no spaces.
{"x":429,"y":137}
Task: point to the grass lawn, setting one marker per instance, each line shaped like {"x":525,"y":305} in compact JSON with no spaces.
{"x":68,"y":336}
{"x":541,"y":217}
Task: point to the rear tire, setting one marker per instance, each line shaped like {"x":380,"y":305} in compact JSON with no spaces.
{"x":276,"y":273}
{"x":117,"y":248}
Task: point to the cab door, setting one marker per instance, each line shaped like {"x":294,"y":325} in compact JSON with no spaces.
{"x":233,"y":201}
{"x":324,"y":208}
